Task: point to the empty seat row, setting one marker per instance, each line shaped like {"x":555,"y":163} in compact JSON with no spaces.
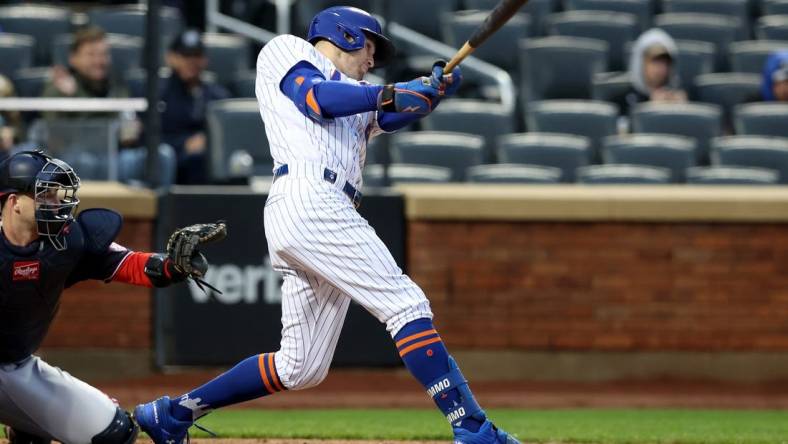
{"x":375,"y":175}
{"x":44,"y":23}
{"x":616,"y":29}
{"x":673,"y":154}
{"x":227,"y":54}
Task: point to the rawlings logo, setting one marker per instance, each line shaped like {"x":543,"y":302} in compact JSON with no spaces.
{"x":26,"y":271}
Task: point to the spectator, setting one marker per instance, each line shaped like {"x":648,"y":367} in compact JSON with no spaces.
{"x":652,"y":71}
{"x":775,"y":78}
{"x":10,"y":121}
{"x":186,"y":95}
{"x":87,"y":74}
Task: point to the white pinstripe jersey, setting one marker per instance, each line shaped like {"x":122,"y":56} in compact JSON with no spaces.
{"x":339,"y":144}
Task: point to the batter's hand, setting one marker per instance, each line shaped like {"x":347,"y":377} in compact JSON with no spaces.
{"x":449,"y":83}
{"x":417,"y":96}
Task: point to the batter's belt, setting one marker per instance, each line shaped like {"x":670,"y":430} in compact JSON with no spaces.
{"x":331,"y":177}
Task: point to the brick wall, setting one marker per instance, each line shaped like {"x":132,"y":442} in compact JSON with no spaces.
{"x":95,"y":314}
{"x":605,"y":286}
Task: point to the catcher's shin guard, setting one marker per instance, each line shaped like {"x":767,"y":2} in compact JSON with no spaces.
{"x":122,"y":430}
{"x":20,"y":437}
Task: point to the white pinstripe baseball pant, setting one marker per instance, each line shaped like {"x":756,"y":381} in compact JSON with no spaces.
{"x":329,"y":255}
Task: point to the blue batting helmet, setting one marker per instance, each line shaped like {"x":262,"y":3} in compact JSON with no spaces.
{"x":347,"y":28}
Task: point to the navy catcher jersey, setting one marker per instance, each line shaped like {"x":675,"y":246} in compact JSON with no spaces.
{"x":33,"y":277}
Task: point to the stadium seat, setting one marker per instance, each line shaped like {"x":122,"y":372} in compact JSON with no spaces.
{"x":243,"y":85}
{"x":701,"y":121}
{"x":641,"y":9}
{"x":563,"y":151}
{"x":537,"y":10}
{"x":457,"y":151}
{"x":29,"y":82}
{"x":512,"y":173}
{"x":775,"y":7}
{"x":422,"y":17}
{"x":750,"y":56}
{"x":400,"y":173}
{"x":560,"y":67}
{"x":595,"y":120}
{"x":720,"y":30}
{"x":615,"y":28}
{"x":235,"y":125}
{"x":500,"y":49}
{"x":676,"y":153}
{"x":773,"y":27}
{"x":472,"y":116}
{"x":41,"y":22}
{"x":694,"y":59}
{"x":126,"y":52}
{"x":761,"y":119}
{"x":305,"y":10}
{"x":739,"y":9}
{"x":16,"y":52}
{"x":752,"y":151}
{"x":228,"y":54}
{"x":716,"y":175}
{"x":130,"y":20}
{"x":620,"y":174}
{"x":728,"y":90}
{"x":611,"y":87}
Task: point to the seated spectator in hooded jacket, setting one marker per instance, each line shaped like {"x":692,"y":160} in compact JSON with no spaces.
{"x":652,"y":70}
{"x":774,"y":86}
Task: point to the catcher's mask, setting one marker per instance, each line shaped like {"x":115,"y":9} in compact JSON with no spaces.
{"x":53,"y":185}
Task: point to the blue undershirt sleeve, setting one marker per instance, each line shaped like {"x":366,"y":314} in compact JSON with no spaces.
{"x":390,"y":122}
{"x":321,"y":99}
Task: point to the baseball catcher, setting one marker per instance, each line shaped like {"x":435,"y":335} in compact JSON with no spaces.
{"x":45,"y":249}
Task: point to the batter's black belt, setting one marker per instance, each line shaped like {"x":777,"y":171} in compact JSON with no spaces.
{"x":331,"y":177}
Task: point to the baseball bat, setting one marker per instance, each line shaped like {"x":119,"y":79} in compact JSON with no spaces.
{"x":500,"y":15}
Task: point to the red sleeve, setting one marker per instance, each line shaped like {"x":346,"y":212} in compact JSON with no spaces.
{"x":132,"y":270}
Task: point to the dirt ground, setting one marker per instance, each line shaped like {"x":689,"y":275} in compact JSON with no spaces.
{"x":396,"y":388}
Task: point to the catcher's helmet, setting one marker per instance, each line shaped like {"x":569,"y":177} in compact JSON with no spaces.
{"x":347,"y":28}
{"x":51,"y":182}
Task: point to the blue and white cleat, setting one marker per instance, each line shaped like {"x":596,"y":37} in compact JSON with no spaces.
{"x":487,"y":434}
{"x":154,"y":418}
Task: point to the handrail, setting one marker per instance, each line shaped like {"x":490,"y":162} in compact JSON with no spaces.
{"x":69,"y":104}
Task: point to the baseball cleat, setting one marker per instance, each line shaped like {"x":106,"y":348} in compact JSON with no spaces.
{"x":487,"y":434}
{"x":154,"y":418}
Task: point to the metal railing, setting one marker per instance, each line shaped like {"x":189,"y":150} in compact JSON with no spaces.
{"x":215,"y":20}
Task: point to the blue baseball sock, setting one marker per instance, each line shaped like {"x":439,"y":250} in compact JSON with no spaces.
{"x":251,"y":378}
{"x":424,"y":354}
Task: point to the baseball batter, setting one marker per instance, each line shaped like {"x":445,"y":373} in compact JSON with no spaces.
{"x":319,"y":115}
{"x":44,"y":249}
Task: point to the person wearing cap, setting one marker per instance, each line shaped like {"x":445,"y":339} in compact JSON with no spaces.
{"x":775,"y":77}
{"x":185,"y":96}
{"x":652,"y":70}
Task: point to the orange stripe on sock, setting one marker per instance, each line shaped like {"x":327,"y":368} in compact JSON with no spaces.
{"x":421,"y":344}
{"x":312,"y":102}
{"x":272,"y":370}
{"x":416,"y":336}
{"x":261,"y":364}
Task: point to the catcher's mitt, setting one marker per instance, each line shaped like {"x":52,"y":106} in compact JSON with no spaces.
{"x":182,"y":246}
